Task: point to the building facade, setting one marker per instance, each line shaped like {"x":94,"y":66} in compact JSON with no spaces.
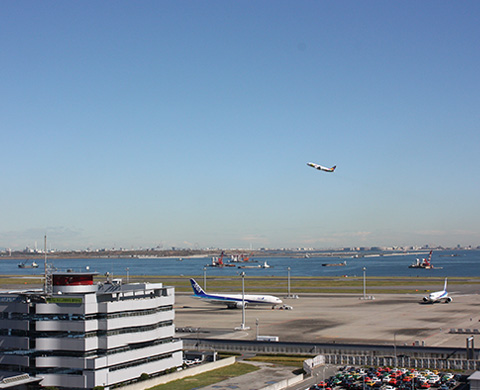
{"x":81,"y":335}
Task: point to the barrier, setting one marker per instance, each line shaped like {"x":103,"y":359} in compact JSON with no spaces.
{"x":404,"y":361}
{"x":353,"y":354}
{"x":284,"y":383}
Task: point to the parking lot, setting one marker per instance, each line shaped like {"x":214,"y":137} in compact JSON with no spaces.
{"x":386,"y":378}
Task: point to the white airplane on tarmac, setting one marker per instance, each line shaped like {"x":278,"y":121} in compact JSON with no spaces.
{"x":438,"y":296}
{"x":321,"y":168}
{"x":234,"y":301}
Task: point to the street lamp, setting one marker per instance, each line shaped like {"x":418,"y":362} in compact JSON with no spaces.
{"x":242,"y":326}
{"x":205,"y":278}
{"x":364,"y":283}
{"x":395,"y":348}
{"x":288,"y":296}
{"x":243,"y":300}
{"x":128,"y":276}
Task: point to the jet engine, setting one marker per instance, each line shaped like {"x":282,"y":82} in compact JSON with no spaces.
{"x":236,"y":305}
{"x":425,"y":299}
{"x":239,"y":305}
{"x":448,"y":300}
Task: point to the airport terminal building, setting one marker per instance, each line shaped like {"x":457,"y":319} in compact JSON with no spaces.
{"x":78,"y":334}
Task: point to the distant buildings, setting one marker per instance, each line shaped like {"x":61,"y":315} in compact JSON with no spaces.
{"x":78,"y":335}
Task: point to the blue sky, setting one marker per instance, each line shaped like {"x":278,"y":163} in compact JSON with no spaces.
{"x":187,"y":123}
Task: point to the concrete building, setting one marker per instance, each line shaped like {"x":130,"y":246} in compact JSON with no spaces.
{"x":76,"y":334}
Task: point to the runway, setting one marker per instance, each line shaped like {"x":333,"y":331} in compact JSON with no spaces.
{"x":342,"y":318}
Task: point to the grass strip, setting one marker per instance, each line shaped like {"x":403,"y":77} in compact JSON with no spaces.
{"x":208,"y":378}
{"x":278,"y":284}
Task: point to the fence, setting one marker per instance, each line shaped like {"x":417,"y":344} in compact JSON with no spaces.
{"x":342,"y":354}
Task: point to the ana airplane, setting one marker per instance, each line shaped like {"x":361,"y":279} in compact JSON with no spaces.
{"x":321,"y":168}
{"x":438,"y":296}
{"x":234,"y":301}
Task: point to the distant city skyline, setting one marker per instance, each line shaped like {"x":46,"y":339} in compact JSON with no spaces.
{"x":37,"y":248}
{"x":190,"y":124}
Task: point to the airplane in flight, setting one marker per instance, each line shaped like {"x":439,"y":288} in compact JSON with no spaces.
{"x":438,"y":296}
{"x":321,"y":168}
{"x":234,"y":301}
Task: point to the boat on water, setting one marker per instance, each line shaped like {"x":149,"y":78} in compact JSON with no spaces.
{"x":423,"y":263}
{"x":218,"y":262}
{"x":26,"y":265}
{"x":264,"y":265}
{"x":335,"y":264}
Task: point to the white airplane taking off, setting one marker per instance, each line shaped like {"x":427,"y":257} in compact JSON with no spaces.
{"x":438,"y":296}
{"x":321,"y":168}
{"x":234,"y":301}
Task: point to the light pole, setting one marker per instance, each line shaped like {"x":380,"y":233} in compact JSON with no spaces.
{"x":256,"y":323}
{"x":242,"y":326}
{"x":128,"y":275}
{"x":205,"y":278}
{"x":364,"y":283}
{"x":395,"y":348}
{"x":288,"y":296}
{"x":243,"y":300}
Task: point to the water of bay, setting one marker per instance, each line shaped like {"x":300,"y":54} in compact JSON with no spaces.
{"x":447,"y":263}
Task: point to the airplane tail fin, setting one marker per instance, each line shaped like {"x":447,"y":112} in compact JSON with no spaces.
{"x":445,"y":287}
{"x":197,"y":290}
{"x":333,"y":168}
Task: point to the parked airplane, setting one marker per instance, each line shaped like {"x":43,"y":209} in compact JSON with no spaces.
{"x":321,"y":168}
{"x":438,"y":296}
{"x":234,"y":301}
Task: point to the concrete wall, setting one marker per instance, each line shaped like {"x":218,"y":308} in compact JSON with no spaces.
{"x":200,"y":369}
{"x":310,"y":364}
{"x":285,"y":383}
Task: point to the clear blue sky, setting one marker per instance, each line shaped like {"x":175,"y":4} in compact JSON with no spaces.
{"x":185,"y":123}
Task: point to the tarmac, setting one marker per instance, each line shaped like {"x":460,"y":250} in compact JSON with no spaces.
{"x":402,"y":319}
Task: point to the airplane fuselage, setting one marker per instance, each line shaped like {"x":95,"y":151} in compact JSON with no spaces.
{"x":234,"y":300}
{"x":438,"y":296}
{"x":320,"y":167}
